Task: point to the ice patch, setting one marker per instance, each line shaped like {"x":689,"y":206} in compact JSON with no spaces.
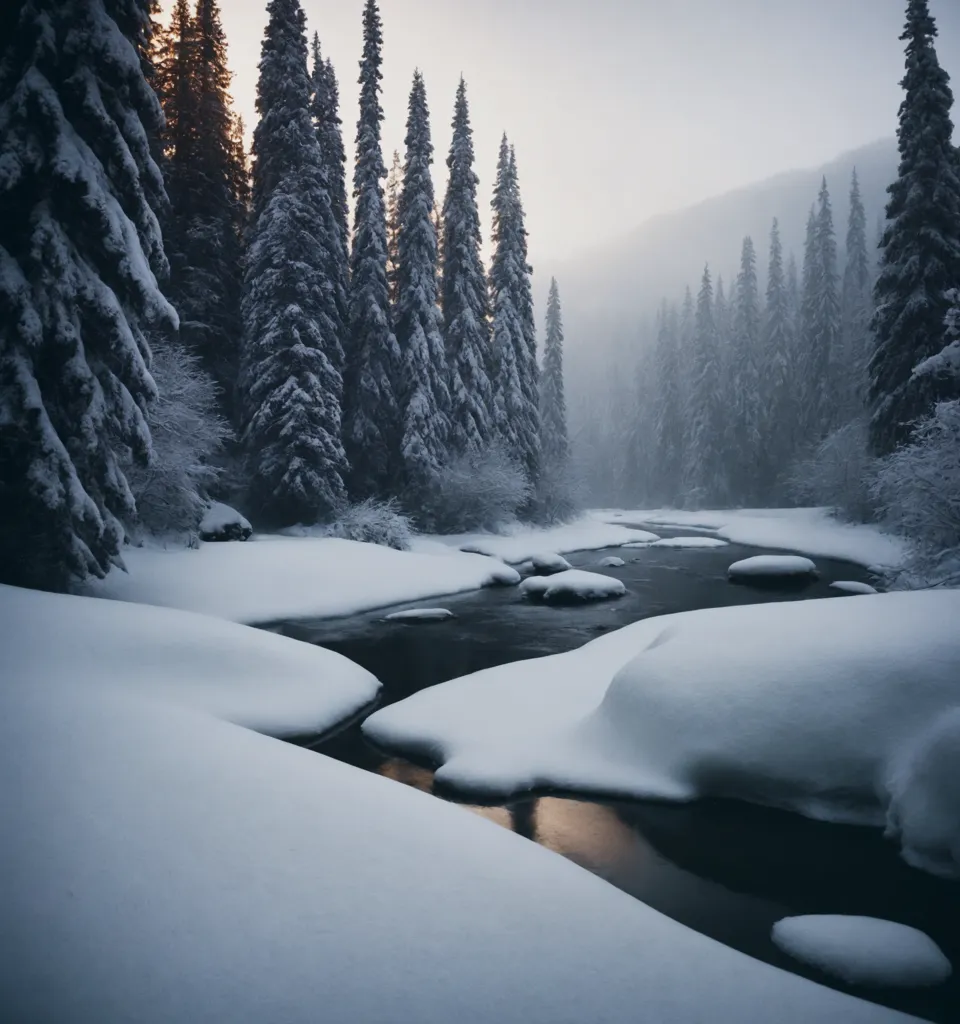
{"x":864,"y":950}
{"x":421,"y":615}
{"x":690,"y":542}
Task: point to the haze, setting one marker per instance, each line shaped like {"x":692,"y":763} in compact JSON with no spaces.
{"x":621,"y":110}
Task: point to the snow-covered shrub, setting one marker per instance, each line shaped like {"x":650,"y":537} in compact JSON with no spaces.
{"x":187,"y":431}
{"x":372,"y":522}
{"x":947,"y":361}
{"x":917,"y":490}
{"x":838,"y":473}
{"x":558,"y":498}
{"x":476,"y":491}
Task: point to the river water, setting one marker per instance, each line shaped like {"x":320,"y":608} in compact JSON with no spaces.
{"x":724,"y":868}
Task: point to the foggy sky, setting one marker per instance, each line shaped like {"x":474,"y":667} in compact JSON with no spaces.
{"x":622,"y":109}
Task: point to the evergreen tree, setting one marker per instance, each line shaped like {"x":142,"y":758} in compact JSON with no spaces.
{"x":425,"y":399}
{"x":207,"y":216}
{"x":515,"y":378}
{"x":745,"y":379}
{"x":80,"y":255}
{"x":553,"y":407}
{"x":687,"y":360}
{"x":706,"y":479}
{"x":921,"y":244}
{"x":392,"y":198}
{"x":464,"y":291}
{"x":290,"y":387}
{"x":373,"y":427}
{"x":825,"y":337}
{"x":668,"y":425}
{"x":856,"y":308}
{"x":778,"y":412}
{"x":326,"y":120}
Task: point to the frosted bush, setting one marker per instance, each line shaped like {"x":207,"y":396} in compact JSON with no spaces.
{"x":558,"y":498}
{"x":838,"y":473}
{"x":372,"y":522}
{"x":187,"y":432}
{"x":476,"y":491}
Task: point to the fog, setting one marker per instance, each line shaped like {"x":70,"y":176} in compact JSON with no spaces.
{"x":623,"y":109}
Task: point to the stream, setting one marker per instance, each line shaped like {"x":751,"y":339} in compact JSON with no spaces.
{"x":726,"y":869}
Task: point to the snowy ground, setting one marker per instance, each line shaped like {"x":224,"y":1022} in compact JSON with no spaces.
{"x":159,"y":862}
{"x":838,"y":709}
{"x":810,"y":531}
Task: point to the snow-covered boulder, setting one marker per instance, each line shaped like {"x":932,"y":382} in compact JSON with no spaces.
{"x":690,"y":542}
{"x":545,"y":564}
{"x":863,"y":950}
{"x":612,"y":562}
{"x":221,"y":522}
{"x":853,"y":587}
{"x":420,"y":615}
{"x":572,"y":587}
{"x":762,"y":569}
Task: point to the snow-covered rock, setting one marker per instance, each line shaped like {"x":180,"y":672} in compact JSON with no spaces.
{"x":611,"y":562}
{"x":762,"y":568}
{"x":160,"y":864}
{"x":545,"y":563}
{"x":421,"y":615}
{"x":834,"y":709}
{"x":574,"y":585}
{"x":690,"y":542}
{"x":853,"y":587}
{"x":221,"y":522}
{"x":864,"y":950}
{"x":273,"y":578}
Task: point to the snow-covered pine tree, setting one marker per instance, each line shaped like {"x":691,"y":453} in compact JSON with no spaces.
{"x":921,"y":244}
{"x":425,"y":399}
{"x":372,"y":428}
{"x":687,"y":361}
{"x":668,"y":443}
{"x":706,"y":478}
{"x":80,"y":254}
{"x":392,"y":200}
{"x":290,"y":388}
{"x":326,"y":119}
{"x":825,"y":336}
{"x":745,"y":379}
{"x":553,"y":406}
{"x":515,"y":374}
{"x":207,"y":215}
{"x":856,"y":307}
{"x":778,"y":410}
{"x":809,"y":369}
{"x":464,"y":293}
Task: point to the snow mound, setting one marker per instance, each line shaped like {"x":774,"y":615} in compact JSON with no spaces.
{"x":853,"y":587}
{"x":690,"y":542}
{"x":574,"y":585}
{"x":840,"y":710}
{"x":274,"y":578}
{"x":864,"y":950}
{"x":771,"y":567}
{"x":421,"y":615}
{"x":544,"y":564}
{"x":221,"y":522}
{"x":611,"y":562}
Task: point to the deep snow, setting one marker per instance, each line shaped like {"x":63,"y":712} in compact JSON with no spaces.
{"x":158,"y":863}
{"x":864,"y":950}
{"x":834,"y":709}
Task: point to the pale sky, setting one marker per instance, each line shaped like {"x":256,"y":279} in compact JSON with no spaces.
{"x":622,"y":109}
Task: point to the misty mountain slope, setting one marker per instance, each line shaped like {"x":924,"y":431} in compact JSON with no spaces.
{"x":608,"y":291}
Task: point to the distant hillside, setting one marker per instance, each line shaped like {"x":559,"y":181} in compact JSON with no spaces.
{"x":607,"y":291}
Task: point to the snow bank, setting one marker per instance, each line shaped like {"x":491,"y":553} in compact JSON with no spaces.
{"x":421,"y":615}
{"x":811,"y":531}
{"x":767,"y":567}
{"x":159,"y":865}
{"x":864,"y":950}
{"x":572,"y":586}
{"x":274,"y":578}
{"x":834,"y":709}
{"x":853,"y":587}
{"x":690,"y":542}
{"x":253,"y":678}
{"x":523,"y":542}
{"x":221,"y":523}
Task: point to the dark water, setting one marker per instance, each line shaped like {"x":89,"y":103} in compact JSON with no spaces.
{"x":726,"y":869}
